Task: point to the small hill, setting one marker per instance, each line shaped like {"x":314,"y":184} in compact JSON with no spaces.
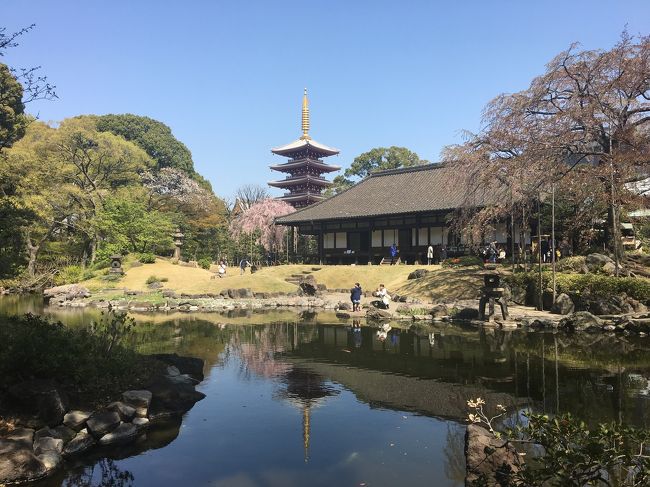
{"x":439,"y":283}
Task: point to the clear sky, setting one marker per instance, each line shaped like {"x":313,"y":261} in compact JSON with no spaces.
{"x":227,"y":76}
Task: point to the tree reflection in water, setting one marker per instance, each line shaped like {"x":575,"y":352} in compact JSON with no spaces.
{"x":103,"y":473}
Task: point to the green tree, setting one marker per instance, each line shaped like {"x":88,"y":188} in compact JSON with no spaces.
{"x":155,"y":138}
{"x":62,"y":176}
{"x":13,"y":120}
{"x":126,"y":223}
{"x":377,"y":159}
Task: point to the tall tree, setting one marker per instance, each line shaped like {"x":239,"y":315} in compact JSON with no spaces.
{"x":377,"y":159}
{"x":13,"y":120}
{"x":154,"y":137}
{"x":590,"y":109}
{"x":63,"y":176}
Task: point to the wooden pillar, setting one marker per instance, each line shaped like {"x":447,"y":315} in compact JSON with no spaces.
{"x":370,"y":243}
{"x":321,"y":244}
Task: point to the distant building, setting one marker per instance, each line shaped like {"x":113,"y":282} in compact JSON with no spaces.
{"x":408,"y":207}
{"x":305,"y":167}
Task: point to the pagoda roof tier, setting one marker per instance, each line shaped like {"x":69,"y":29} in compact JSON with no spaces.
{"x":293,"y":197}
{"x":303,"y":143}
{"x":320,"y":165}
{"x":300,"y":180}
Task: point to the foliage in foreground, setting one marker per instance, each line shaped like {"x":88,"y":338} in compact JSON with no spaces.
{"x":571,"y":453}
{"x":92,"y":362}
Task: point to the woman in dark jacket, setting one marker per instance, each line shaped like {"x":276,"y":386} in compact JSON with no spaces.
{"x":355,"y":297}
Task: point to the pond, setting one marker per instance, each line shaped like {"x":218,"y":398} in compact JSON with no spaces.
{"x":308,"y":400}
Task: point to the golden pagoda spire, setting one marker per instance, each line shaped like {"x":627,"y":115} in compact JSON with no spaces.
{"x":305,"y":117}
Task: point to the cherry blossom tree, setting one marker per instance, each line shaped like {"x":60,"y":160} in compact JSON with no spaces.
{"x":259,"y":219}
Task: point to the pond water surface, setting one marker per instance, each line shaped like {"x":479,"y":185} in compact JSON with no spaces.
{"x":307,"y":400}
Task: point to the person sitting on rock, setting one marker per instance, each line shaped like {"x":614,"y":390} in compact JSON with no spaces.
{"x":383,"y":295}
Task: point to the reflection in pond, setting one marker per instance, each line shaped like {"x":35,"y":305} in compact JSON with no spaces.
{"x":104,"y":473}
{"x":294,"y":401}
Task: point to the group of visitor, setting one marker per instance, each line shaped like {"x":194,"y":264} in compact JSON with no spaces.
{"x":437,"y":254}
{"x":382,"y":293}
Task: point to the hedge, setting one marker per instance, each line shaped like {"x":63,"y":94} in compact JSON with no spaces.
{"x":596,"y":285}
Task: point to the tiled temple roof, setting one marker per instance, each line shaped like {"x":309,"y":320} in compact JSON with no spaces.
{"x":433,"y":187}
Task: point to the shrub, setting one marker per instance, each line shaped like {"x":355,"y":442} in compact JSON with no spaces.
{"x":147,"y":258}
{"x":463,"y":261}
{"x":94,"y":363}
{"x":152,"y":279}
{"x":205,"y":263}
{"x":72,"y":274}
{"x":570,"y":264}
{"x":599,"y":286}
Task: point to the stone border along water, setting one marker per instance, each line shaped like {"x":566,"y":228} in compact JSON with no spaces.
{"x":28,"y":454}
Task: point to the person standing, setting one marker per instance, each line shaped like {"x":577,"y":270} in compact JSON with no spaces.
{"x":242,"y":265}
{"x":493,"y":252}
{"x":355,"y":297}
{"x":393,"y":253}
{"x":443,"y":253}
{"x":429,"y":254}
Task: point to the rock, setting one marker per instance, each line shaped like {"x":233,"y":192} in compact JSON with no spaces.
{"x":22,"y":436}
{"x":67,"y":292}
{"x":141,"y":412}
{"x":172,"y":371}
{"x":171,"y":398}
{"x":417,"y":274}
{"x":595,"y":262}
{"x":378,"y":314}
{"x":125,"y":411}
{"x":439,"y":311}
{"x":466,"y":314}
{"x":580,"y":321}
{"x":155,"y":285}
{"x":343,"y":306}
{"x":563,"y":305}
{"x":137,"y":399}
{"x":185,"y":365}
{"x":76,"y":420}
{"x":609,"y":328}
{"x":63,"y":432}
{"x":307,"y":286}
{"x":140,"y":423}
{"x":487,"y":456}
{"x":18,"y":463}
{"x":51,"y":460}
{"x":102,"y":422}
{"x":343,"y":315}
{"x":168,"y":293}
{"x":538,"y":323}
{"x":240,"y":293}
{"x":79,"y":444}
{"x":609,"y":268}
{"x":123,"y":434}
{"x":47,"y":443}
{"x":547,"y":299}
{"x":422,"y":317}
{"x":518,"y":295}
{"x":43,"y":398}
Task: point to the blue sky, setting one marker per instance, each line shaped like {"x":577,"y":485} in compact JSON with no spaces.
{"x":227,"y":77}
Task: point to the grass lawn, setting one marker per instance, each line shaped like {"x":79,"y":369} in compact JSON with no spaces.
{"x":452,"y":283}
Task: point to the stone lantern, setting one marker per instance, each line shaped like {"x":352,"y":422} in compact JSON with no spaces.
{"x":178,"y":242}
{"x":116,"y":264}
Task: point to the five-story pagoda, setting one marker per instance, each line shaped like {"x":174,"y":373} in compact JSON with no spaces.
{"x":305,"y":167}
